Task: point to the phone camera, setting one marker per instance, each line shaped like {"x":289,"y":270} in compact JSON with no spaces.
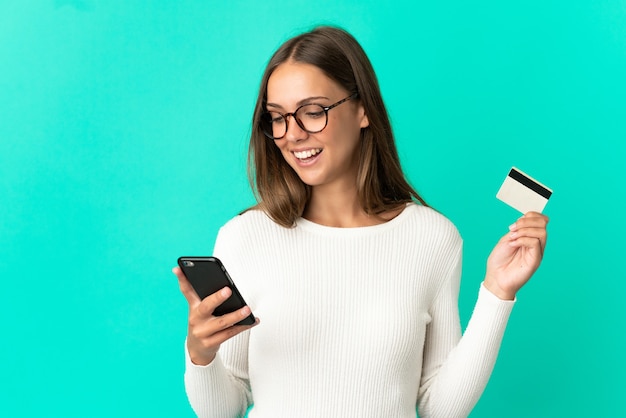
{"x":188,"y":263}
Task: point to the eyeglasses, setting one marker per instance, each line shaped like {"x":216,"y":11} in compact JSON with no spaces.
{"x":312,"y":118}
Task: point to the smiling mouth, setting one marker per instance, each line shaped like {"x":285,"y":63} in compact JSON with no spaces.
{"x":307,"y":155}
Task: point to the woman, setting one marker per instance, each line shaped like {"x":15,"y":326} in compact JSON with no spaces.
{"x":356,"y":284}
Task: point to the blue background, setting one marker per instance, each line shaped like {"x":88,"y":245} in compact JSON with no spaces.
{"x":123,"y":138}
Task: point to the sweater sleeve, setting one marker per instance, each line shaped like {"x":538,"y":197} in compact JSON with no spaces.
{"x":221,"y":389}
{"x":456,"y":369}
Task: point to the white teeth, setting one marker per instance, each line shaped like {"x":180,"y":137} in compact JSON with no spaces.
{"x":307,"y":154}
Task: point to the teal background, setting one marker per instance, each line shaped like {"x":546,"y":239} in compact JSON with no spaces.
{"x":123,"y":135}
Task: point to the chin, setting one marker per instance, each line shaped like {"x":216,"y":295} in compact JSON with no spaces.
{"x":311,"y":182}
{"x":309,"y":179}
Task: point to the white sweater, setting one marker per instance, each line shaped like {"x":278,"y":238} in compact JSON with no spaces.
{"x":355,"y":322}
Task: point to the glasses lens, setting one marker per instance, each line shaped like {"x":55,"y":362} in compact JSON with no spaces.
{"x":273,"y":124}
{"x":312,"y":118}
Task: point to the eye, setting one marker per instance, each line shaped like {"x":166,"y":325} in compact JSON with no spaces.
{"x":275,"y":118}
{"x":312,"y":112}
{"x":314,"y":115}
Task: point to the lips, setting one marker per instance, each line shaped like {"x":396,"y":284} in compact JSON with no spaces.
{"x":307,"y":154}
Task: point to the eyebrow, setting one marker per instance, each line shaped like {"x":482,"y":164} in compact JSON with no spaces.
{"x":301,"y":102}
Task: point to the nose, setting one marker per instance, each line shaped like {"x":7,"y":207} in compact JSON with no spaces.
{"x":294,"y":131}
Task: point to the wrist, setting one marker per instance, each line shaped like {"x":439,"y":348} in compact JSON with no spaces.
{"x":198,"y":357}
{"x":492,"y":286}
{"x":200,"y":360}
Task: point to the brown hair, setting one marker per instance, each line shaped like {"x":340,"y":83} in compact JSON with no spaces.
{"x":381,"y":183}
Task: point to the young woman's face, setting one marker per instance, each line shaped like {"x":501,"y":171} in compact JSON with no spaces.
{"x":323,"y":158}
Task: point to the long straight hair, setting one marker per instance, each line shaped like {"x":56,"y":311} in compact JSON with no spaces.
{"x":381,"y":184}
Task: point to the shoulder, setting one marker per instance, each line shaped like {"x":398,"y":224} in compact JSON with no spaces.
{"x":253,"y":227}
{"x":249,"y":217}
{"x":431,"y":222}
{"x":253,"y":219}
{"x":243,"y":235}
{"x":425,"y":230}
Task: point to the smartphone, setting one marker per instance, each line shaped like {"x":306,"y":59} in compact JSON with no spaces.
{"x":207,"y":275}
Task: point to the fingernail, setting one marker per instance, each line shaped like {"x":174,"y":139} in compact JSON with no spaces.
{"x":224,"y":292}
{"x":513,"y":235}
{"x":245,"y":311}
{"x":512,"y":227}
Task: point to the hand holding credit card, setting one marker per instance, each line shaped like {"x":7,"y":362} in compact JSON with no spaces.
{"x":522,"y":192}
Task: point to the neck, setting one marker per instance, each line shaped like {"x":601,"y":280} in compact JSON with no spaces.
{"x":340,"y":207}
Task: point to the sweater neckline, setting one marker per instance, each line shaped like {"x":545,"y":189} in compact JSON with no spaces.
{"x":305,"y":224}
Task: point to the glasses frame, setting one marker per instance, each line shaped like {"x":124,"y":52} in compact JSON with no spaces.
{"x":299,"y":122}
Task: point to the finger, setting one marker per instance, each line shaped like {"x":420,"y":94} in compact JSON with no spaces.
{"x":218,"y":338}
{"x":230,"y":319}
{"x":530,"y":220}
{"x":532,"y":214}
{"x":539,"y":234}
{"x":208,"y":304}
{"x":185,"y":287}
{"x":530,"y":244}
{"x":205,"y":330}
{"x":534,"y":227}
{"x":528,"y":232}
{"x":202,"y":326}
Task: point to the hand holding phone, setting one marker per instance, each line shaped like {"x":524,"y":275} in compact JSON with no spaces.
{"x":217,"y":311}
{"x":207,"y":275}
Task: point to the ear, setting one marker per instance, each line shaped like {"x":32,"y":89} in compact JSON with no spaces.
{"x":364,"y":121}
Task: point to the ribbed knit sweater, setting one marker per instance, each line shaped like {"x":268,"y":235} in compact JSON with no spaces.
{"x":355,"y":322}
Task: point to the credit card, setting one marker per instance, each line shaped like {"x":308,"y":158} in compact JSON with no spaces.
{"x":522,"y":192}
